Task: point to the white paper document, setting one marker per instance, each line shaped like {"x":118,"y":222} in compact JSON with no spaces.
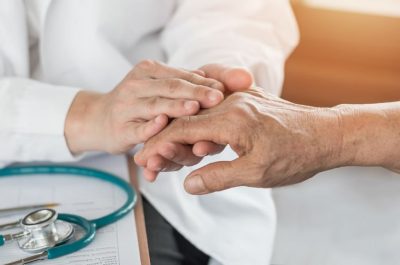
{"x":90,"y":198}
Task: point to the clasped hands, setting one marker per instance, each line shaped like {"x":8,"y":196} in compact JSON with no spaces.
{"x":144,"y":102}
{"x":182,"y":116}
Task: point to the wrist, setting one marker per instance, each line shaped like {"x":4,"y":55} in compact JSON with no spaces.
{"x":327,"y":139}
{"x":80,"y":122}
{"x":369,"y":135}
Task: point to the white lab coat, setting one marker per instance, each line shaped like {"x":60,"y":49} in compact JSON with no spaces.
{"x":344,"y":216}
{"x":51,"y":49}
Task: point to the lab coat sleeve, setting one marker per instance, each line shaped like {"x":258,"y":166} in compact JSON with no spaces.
{"x":256,"y":34}
{"x":32,"y":113}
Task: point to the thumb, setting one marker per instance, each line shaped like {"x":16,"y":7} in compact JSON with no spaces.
{"x":216,"y":177}
{"x":234,"y":78}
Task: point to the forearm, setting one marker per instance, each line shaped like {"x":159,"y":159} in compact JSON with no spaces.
{"x":371,"y":135}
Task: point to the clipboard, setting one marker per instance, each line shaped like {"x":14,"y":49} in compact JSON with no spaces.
{"x":139,"y":215}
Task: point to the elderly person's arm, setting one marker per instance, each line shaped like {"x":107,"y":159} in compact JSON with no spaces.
{"x":281,"y":143}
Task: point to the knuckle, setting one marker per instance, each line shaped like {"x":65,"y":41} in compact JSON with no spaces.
{"x":146,"y":64}
{"x":237,"y":97}
{"x":129,"y":85}
{"x":132,"y":74}
{"x":194,"y":78}
{"x":169,"y":151}
{"x":180,"y":124}
{"x":200,"y":91}
{"x":176,"y":106}
{"x":174,"y":85}
{"x":238,"y":111}
{"x":213,"y":182}
{"x":153,"y":105}
{"x":133,"y":84}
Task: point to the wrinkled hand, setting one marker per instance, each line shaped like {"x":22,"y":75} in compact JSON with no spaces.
{"x":173,"y":156}
{"x":277,"y":142}
{"x":138,"y":107}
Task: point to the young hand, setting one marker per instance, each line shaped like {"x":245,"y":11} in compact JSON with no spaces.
{"x":137,"y":108}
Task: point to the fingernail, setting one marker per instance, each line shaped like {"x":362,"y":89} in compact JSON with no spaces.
{"x":190,"y":105}
{"x":195,"y":185}
{"x":213,"y":96}
{"x":202,"y":154}
{"x":138,"y":159}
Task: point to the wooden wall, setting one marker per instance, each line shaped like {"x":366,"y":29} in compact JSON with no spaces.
{"x":343,"y":57}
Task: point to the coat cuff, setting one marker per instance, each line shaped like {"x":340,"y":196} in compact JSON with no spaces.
{"x":42,"y":111}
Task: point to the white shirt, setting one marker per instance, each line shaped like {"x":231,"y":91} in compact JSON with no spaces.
{"x":51,"y":49}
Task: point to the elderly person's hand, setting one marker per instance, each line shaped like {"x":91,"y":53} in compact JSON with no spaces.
{"x":138,"y":108}
{"x":278,"y":142}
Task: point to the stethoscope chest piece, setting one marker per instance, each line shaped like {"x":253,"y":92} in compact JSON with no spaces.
{"x":42,"y":230}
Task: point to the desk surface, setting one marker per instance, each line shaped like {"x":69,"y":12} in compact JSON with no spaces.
{"x":139,"y":217}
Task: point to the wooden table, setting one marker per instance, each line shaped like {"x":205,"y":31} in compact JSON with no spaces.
{"x":139,"y":216}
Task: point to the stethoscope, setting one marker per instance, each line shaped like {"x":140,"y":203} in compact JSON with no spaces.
{"x":47,"y":234}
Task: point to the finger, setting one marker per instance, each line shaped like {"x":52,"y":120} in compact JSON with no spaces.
{"x":188,"y":130}
{"x":150,"y":175}
{"x":158,"y":70}
{"x":233,"y":78}
{"x":199,"y":72}
{"x":148,"y":108}
{"x":204,"y":148}
{"x":175,"y":88}
{"x":178,"y":153}
{"x":159,"y":163}
{"x":144,"y":131}
{"x":216,"y":177}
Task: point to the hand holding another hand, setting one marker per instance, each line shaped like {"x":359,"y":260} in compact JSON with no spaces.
{"x":173,"y":156}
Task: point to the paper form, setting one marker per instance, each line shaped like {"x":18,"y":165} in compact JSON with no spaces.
{"x":114,"y":244}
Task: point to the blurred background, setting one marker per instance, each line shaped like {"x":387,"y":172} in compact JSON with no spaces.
{"x":349,"y":52}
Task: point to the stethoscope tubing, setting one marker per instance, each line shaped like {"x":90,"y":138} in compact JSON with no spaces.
{"x":90,"y":226}
{"x":87,"y":238}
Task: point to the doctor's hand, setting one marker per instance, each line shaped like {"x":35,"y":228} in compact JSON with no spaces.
{"x":137,"y":108}
{"x":277,"y":142}
{"x":173,"y":156}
